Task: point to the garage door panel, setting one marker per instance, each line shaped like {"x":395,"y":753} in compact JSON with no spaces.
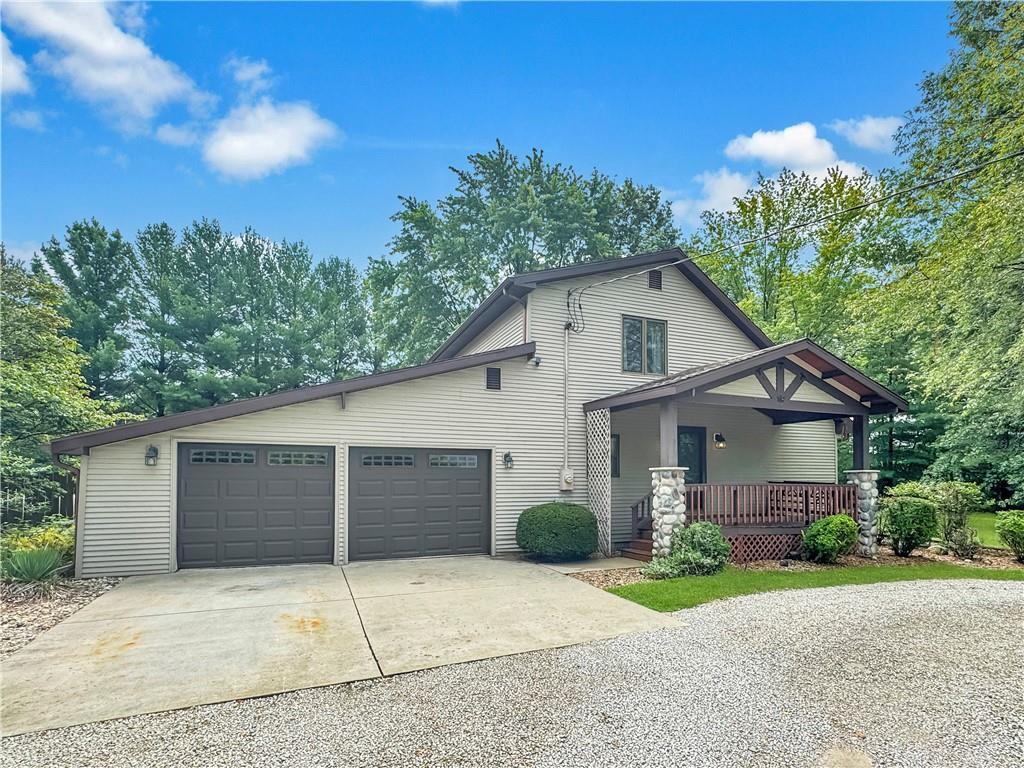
{"x":254,"y":511}
{"x":401,"y":488}
{"x":317,"y":489}
{"x":437,"y":486}
{"x":447,"y":513}
{"x":281,"y":489}
{"x":473,"y":514}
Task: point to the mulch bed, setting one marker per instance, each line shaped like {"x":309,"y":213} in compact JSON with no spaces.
{"x":26,"y":613}
{"x":997,"y":559}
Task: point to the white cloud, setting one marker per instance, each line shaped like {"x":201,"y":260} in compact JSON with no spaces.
{"x":31,"y":119}
{"x":797,"y":147}
{"x":869,"y":132}
{"x":178,"y":135}
{"x":259,"y":139}
{"x":22,"y":252}
{"x":15,"y":72}
{"x":252,"y":75}
{"x":718,"y":190}
{"x":104,"y":64}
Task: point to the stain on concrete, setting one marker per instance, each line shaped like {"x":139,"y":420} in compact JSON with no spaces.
{"x":113,"y":644}
{"x":303,"y":624}
{"x":844,"y":756}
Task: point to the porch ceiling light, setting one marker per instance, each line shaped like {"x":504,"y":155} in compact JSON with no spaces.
{"x":720,"y":440}
{"x":152,"y":452}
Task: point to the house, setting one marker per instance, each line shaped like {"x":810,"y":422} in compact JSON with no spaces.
{"x":569,"y":384}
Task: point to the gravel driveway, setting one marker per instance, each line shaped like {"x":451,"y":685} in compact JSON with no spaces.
{"x":904,"y":674}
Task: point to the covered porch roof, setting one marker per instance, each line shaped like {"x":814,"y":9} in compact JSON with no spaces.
{"x":780,"y":373}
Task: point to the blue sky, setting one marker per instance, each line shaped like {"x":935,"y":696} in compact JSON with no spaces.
{"x":307,"y":121}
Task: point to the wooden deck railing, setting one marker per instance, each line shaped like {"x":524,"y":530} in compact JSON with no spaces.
{"x":758,"y":504}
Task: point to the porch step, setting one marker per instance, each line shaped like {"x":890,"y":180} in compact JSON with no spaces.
{"x":638,"y":549}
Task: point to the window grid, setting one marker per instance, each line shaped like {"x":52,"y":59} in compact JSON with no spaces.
{"x":220,"y":456}
{"x":388,"y":460}
{"x":297,"y":458}
{"x":462,"y":461}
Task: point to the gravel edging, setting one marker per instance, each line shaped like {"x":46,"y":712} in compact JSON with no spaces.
{"x":925,"y":673}
{"x":23,"y":618}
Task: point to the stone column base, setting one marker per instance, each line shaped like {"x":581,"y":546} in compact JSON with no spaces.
{"x":668,"y":507}
{"x":866,"y":481}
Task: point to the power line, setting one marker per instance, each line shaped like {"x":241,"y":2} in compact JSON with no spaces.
{"x":574,"y":300}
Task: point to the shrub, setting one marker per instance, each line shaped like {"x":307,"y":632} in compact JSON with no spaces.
{"x":1010,"y":527}
{"x":954,"y":502}
{"x":31,"y":565}
{"x":911,"y":488}
{"x":964,"y":542}
{"x":557,"y":531}
{"x":826,"y":539}
{"x":696,"y":550}
{"x":909,"y":521}
{"x":55,"y":532}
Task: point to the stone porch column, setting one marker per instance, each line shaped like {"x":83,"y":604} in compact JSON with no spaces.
{"x":668,"y":506}
{"x":866,"y":481}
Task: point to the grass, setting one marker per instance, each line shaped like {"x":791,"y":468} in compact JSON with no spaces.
{"x":674,"y":594}
{"x":985,"y":524}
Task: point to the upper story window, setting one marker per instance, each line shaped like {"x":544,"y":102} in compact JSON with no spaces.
{"x":644,"y":345}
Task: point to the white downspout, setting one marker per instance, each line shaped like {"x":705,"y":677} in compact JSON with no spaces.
{"x":566,"y":480}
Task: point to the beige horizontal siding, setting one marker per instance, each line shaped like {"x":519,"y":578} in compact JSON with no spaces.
{"x":507,"y":331}
{"x":128,"y":522}
{"x":125,"y":512}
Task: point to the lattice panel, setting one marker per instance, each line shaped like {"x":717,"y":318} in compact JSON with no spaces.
{"x":599,"y":475}
{"x":748,"y":548}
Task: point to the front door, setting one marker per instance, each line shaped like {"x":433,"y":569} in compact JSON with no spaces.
{"x":693,"y":453}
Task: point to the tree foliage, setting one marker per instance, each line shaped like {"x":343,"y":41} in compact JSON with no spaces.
{"x":43,"y":392}
{"x":507,"y":215}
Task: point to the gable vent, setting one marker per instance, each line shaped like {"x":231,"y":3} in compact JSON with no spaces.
{"x":494,"y":378}
{"x":654,"y":279}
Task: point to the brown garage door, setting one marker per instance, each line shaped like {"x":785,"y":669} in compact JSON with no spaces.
{"x":254,"y":504}
{"x":417,"y":502}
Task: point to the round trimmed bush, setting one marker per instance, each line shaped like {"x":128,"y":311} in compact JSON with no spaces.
{"x":557,"y":531}
{"x":826,"y":539}
{"x":909,"y":522}
{"x":1010,"y":527}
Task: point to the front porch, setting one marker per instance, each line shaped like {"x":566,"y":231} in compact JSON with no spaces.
{"x":748,"y":444}
{"x":760,"y":521}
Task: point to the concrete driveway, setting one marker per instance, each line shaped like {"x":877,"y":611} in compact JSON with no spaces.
{"x":197,"y":637}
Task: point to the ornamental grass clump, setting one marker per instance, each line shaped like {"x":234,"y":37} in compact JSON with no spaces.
{"x":557,"y":532}
{"x":1010,"y":527}
{"x":31,"y":565}
{"x":826,"y":539}
{"x":698,"y":549}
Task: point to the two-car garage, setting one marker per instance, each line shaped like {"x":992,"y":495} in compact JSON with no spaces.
{"x":254,"y":504}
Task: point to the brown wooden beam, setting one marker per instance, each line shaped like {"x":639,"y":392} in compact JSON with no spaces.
{"x":861,"y":443}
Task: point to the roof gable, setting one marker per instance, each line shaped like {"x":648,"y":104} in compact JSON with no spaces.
{"x":515,"y":288}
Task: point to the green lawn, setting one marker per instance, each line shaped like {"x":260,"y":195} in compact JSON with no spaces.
{"x":673,"y":594}
{"x":985,"y":524}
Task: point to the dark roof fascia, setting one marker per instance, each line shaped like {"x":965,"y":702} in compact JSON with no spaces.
{"x":725,"y":305}
{"x":744,"y":367}
{"x":499,"y":300}
{"x":81,"y":443}
{"x":514,"y":288}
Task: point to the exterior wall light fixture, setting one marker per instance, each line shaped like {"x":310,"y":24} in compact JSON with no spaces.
{"x":507,"y":460}
{"x":720,"y":440}
{"x":152,"y":452}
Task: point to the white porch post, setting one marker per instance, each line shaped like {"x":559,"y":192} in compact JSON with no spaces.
{"x":668,"y":507}
{"x":866,"y":482}
{"x":599,"y":475}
